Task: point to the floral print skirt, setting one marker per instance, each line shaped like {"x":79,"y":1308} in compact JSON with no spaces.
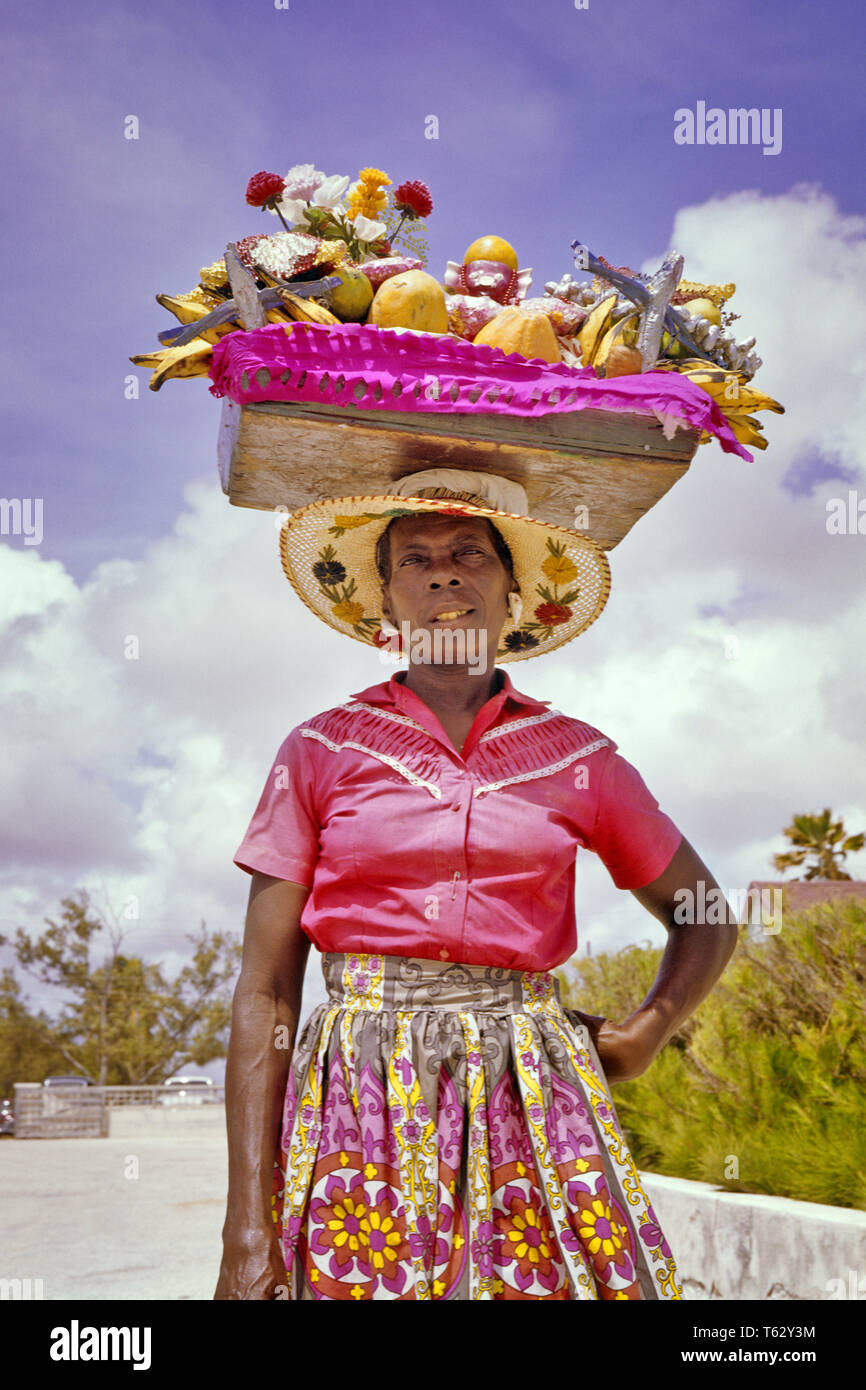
{"x":448,"y":1133}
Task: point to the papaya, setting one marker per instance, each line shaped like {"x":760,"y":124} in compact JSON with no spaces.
{"x":411,"y":300}
{"x":523,"y":331}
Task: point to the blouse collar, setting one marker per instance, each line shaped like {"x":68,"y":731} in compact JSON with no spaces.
{"x":393,"y":694}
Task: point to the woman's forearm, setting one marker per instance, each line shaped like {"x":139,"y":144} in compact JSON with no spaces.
{"x":259,"y":1056}
{"x":693,"y":960}
{"x":697,"y":950}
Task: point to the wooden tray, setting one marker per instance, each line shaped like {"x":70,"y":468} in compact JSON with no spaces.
{"x":616,"y":465}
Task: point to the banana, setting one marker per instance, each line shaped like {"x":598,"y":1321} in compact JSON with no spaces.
{"x":193,"y":359}
{"x":731,"y":390}
{"x":191,"y":314}
{"x":748,"y":400}
{"x":594,"y":328}
{"x":747,"y":430}
{"x":305,"y":309}
{"x":733,"y":395}
{"x":189,"y":307}
{"x":619,"y":332}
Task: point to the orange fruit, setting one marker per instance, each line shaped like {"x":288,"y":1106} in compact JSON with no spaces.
{"x":492,"y":248}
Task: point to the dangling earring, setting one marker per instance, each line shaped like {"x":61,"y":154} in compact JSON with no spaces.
{"x":515,"y":604}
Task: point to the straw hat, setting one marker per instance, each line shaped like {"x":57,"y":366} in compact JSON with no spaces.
{"x":328,"y":552}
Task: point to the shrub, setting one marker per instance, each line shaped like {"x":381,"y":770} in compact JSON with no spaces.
{"x":768,"y":1071}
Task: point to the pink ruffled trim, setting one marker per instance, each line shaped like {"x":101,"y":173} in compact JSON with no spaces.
{"x":359,"y":366}
{"x":529,"y":746}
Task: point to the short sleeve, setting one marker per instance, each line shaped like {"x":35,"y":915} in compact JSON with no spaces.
{"x":634,"y":839}
{"x":282,"y":838}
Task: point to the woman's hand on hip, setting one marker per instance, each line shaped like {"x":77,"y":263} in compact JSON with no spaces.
{"x":625,"y":1050}
{"x":252,"y":1268}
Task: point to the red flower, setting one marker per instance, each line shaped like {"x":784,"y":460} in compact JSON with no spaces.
{"x":264,"y":189}
{"x":414,"y":199}
{"x":552,"y":613}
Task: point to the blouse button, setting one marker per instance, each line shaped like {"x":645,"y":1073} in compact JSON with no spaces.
{"x":455,"y":808}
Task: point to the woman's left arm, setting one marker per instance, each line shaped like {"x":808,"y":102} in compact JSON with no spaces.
{"x":697,"y":952}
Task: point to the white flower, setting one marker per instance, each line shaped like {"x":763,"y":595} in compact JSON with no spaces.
{"x":293,"y":209}
{"x":367,"y":230}
{"x":329,"y":193}
{"x":302,"y":180}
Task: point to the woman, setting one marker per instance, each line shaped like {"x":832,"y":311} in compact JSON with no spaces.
{"x":443,"y":1128}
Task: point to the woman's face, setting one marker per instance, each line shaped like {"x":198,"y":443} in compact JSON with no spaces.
{"x":447,"y":565}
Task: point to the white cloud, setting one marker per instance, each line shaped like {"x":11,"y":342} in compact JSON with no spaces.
{"x":728,"y":664}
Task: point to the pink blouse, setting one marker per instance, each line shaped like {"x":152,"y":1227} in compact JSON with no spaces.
{"x":413,"y":849}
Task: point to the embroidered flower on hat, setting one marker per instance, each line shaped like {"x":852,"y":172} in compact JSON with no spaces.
{"x":550,"y":614}
{"x":329,"y":571}
{"x":331,"y":575}
{"x":520,"y":641}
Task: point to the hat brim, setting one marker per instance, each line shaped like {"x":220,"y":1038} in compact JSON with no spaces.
{"x":328,"y":553}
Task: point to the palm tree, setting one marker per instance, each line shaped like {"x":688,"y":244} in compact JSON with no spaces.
{"x":818,"y":837}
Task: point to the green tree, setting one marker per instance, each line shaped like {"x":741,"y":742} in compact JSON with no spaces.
{"x":121,"y":1021}
{"x":25,"y":1052}
{"x":818,"y":838}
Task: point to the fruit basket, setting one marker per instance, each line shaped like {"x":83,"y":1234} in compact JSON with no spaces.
{"x":343,"y":365}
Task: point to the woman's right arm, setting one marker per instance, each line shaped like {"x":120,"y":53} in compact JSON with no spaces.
{"x":265,"y":1012}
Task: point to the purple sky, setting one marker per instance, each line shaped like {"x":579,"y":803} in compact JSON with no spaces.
{"x":728,"y":665}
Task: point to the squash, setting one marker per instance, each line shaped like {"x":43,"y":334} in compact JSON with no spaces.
{"x":623,"y":360}
{"x":410,"y":300}
{"x":519,"y":330}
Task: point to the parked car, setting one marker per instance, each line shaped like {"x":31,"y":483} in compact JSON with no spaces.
{"x":188,"y":1090}
{"x":7,"y":1117}
{"x":65,"y":1092}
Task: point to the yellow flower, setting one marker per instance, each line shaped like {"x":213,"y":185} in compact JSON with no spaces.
{"x":608,"y":1244}
{"x":369,"y":1170}
{"x":358,"y":1292}
{"x":559,"y":569}
{"x":373,"y":176}
{"x":522,"y":1247}
{"x":341,"y":1212}
{"x":392,"y":1237}
{"x":365,"y":205}
{"x":346,"y":523}
{"x":347,"y":611}
{"x":368,"y":195}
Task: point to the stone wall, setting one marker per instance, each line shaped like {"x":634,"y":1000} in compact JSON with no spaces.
{"x":732,"y":1245}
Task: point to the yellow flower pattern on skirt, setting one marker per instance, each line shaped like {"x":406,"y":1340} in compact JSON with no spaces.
{"x":449,"y":1134}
